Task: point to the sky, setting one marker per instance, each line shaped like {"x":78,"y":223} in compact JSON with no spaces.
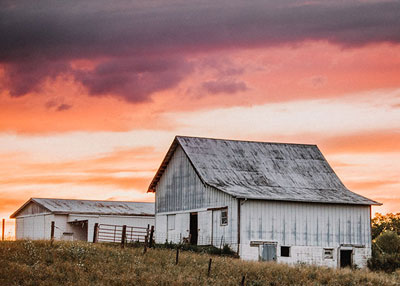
{"x":92,"y":93}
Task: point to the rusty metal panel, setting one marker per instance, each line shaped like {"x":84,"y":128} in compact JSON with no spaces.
{"x":66,"y":206}
{"x":302,"y":224}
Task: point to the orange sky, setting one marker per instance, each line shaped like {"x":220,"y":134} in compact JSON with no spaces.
{"x":95,"y":122}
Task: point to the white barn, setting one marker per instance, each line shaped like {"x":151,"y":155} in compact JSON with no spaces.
{"x":75,"y":219}
{"x":268,"y":201}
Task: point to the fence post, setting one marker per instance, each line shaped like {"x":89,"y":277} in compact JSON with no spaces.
{"x":95,"y":232}
{"x":151,"y":236}
{"x":209,"y":267}
{"x":177,"y":256}
{"x":2,"y":229}
{"x":123,"y":236}
{"x":53,"y":225}
{"x":243,"y":278}
{"x":145,"y":245}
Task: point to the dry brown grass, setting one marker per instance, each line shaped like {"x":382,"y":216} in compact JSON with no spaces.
{"x":37,"y":263}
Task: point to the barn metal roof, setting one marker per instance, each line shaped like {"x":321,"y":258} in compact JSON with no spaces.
{"x":67,"y":206}
{"x":262,"y":170}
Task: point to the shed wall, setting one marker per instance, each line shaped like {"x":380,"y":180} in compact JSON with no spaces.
{"x":180,"y":191}
{"x":38,"y":226}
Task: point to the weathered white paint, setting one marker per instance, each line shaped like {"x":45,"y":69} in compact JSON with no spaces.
{"x":285,"y":195}
{"x":38,"y":226}
{"x":180,"y":191}
{"x":307,"y":229}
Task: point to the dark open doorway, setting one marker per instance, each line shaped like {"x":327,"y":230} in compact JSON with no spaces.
{"x":193,"y":228}
{"x":345,"y":258}
{"x":79,"y":230}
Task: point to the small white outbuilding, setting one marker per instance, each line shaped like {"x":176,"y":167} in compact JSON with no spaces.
{"x":267,"y":201}
{"x":75,"y":219}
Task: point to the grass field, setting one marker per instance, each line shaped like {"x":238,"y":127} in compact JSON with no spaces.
{"x":39,"y":263}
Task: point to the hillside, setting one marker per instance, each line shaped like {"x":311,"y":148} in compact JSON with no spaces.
{"x":38,"y":263}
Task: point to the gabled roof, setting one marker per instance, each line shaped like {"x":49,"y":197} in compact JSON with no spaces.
{"x":262,"y":170}
{"x":64,"y":206}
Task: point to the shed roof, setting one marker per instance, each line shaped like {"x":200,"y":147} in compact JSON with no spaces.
{"x":262,"y":170}
{"x":66,"y":206}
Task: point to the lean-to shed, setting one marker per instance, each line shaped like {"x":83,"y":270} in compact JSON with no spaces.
{"x":267,"y":201}
{"x":75,"y":219}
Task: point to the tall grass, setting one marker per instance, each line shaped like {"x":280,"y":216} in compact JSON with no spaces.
{"x":67,"y":263}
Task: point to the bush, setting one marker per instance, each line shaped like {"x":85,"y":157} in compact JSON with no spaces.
{"x":388,"y":242}
{"x":385,"y":252}
{"x":209,"y":249}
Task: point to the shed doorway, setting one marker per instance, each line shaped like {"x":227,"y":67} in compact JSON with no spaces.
{"x":346,"y":258}
{"x":79,"y":230}
{"x":193,"y":228}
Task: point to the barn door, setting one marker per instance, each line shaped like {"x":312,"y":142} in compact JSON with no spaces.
{"x":193,"y":228}
{"x":268,"y":252}
{"x":346,"y":258}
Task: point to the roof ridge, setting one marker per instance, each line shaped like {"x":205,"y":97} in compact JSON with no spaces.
{"x":89,"y":200}
{"x":248,"y":141}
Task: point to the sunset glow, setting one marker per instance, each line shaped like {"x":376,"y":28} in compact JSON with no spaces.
{"x":90,"y":105}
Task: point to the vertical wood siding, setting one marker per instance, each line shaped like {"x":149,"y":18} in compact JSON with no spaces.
{"x":305,"y":224}
{"x":180,"y":190}
{"x":307,"y":228}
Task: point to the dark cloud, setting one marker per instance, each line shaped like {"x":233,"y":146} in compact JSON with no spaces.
{"x":229,"y":87}
{"x":133,"y":79}
{"x":63,"y":107}
{"x":57,"y":105}
{"x":42,"y":37}
{"x":27,"y":76}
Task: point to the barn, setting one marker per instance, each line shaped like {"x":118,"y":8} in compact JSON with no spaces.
{"x":267,"y":201}
{"x":75,"y":219}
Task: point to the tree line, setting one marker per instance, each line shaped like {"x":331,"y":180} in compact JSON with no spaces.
{"x":385,"y":242}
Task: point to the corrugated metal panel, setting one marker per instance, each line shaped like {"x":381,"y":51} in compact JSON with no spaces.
{"x":273,"y":171}
{"x":305,"y":224}
{"x":84,"y":207}
{"x":260,"y":170}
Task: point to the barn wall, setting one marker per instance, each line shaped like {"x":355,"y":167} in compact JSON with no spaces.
{"x":307,"y":229}
{"x":180,"y":191}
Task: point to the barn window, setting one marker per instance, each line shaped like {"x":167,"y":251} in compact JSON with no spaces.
{"x":224,"y":217}
{"x":328,"y":253}
{"x":171,"y":222}
{"x":285,"y":251}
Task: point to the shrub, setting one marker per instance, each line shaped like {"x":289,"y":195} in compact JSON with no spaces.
{"x":388,"y":242}
{"x":385,"y":252}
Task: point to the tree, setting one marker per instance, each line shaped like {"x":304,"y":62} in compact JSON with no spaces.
{"x":388,"y":242}
{"x":385,"y":252}
{"x":382,"y":223}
